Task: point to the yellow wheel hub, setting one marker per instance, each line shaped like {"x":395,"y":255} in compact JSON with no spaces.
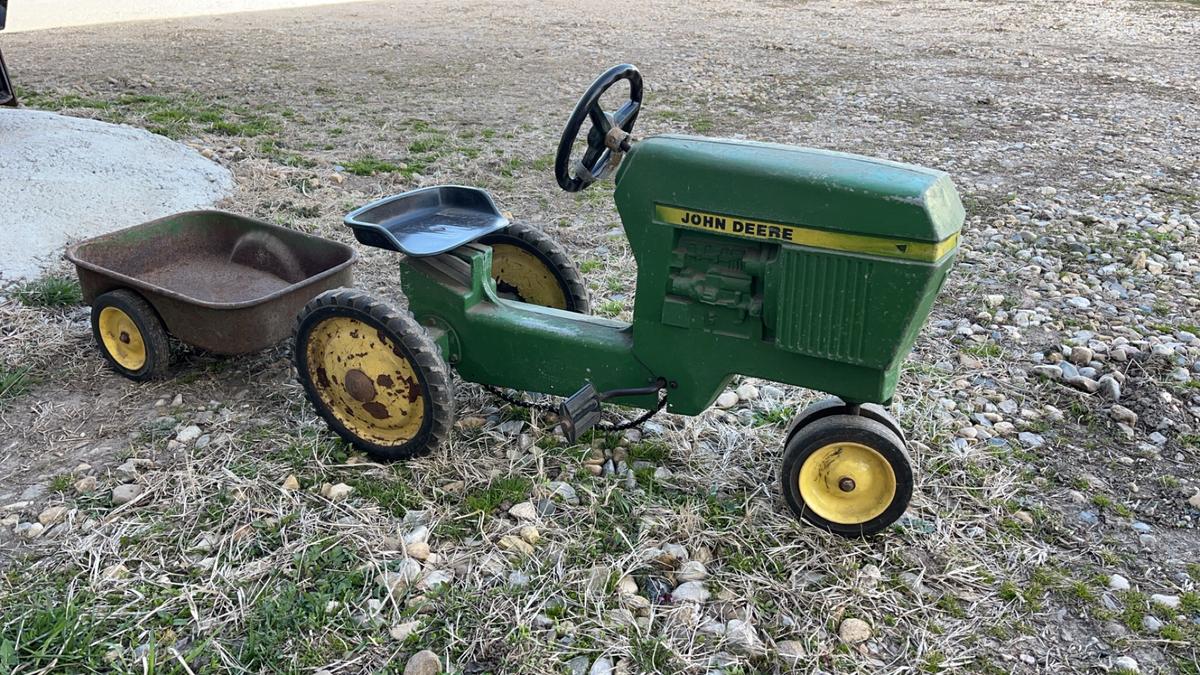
{"x":362,"y":375}
{"x":847,"y":483}
{"x":520,"y":270}
{"x":122,"y":339}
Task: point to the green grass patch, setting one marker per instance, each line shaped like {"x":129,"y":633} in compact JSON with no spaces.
{"x":984,"y":350}
{"x":774,"y":416}
{"x":51,"y":291}
{"x":511,"y":489}
{"x":392,"y":494}
{"x":369,"y":166}
{"x":610,"y":308}
{"x":14,"y":381}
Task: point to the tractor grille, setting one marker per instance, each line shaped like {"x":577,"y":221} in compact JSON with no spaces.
{"x":823,"y":302}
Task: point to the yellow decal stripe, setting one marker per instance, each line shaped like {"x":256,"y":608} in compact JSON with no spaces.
{"x":804,"y":236}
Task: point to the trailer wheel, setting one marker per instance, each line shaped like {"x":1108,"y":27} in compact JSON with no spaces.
{"x":847,"y":474}
{"x":130,"y":335}
{"x":373,"y":374}
{"x":529,"y":266}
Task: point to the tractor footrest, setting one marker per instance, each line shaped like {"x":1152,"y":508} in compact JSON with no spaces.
{"x":579,"y":413}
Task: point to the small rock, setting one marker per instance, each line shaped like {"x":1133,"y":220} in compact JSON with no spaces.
{"x":747,"y":392}
{"x":627,"y":586}
{"x":579,"y":665}
{"x":692,"y":570}
{"x":423,"y":662}
{"x":291,"y":483}
{"x":1081,"y":356}
{"x":743,"y":636}
{"x":336,"y":493}
{"x":401,"y":631}
{"x":511,"y":543}
{"x":189,"y":434}
{"x":468,"y":423}
{"x":1030,"y":439}
{"x":1110,"y":388}
{"x":530,"y":534}
{"x":1123,"y":415}
{"x":691,"y":591}
{"x":602,"y":666}
{"x":524,"y":511}
{"x":85,"y":485}
{"x":29,"y":531}
{"x":790,"y":650}
{"x":518,"y":579}
{"x":563,"y":491}
{"x":1118,"y":583}
{"x":727,"y":400}
{"x":123,"y":494}
{"x":116,"y":571}
{"x":418,"y":534}
{"x":853,"y":631}
{"x":52,"y":515}
{"x":1126,"y":663}
{"x":434,"y":580}
{"x":1151,"y":623}
{"x":406,"y":574}
{"x":1048,"y":371}
{"x":1082,"y":383}
{"x":418,"y":550}
{"x":1168,"y":601}
{"x":1194,"y":501}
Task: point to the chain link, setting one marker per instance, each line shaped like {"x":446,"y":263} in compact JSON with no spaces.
{"x":547,"y":407}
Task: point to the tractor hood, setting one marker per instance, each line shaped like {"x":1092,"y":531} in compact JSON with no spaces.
{"x":773,"y":183}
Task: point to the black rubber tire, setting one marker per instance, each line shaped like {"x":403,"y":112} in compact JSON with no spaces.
{"x":552,"y":255}
{"x":834,"y":405}
{"x":154,"y":336}
{"x":420,"y":351}
{"x":846,"y":428}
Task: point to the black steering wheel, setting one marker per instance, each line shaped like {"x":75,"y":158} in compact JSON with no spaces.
{"x":602,"y":142}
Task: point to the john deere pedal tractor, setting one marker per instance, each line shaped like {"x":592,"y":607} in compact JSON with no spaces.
{"x":802,"y":266}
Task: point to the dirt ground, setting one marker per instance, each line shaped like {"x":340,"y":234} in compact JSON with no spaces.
{"x":1053,"y":527}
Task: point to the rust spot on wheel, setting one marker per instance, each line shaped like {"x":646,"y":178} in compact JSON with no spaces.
{"x":384,"y":381}
{"x":376,"y":410}
{"x":322,"y":378}
{"x":360,"y":387}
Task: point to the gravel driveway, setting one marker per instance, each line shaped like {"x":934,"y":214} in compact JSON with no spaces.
{"x":1053,"y":402}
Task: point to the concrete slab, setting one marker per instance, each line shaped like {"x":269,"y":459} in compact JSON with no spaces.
{"x":64,"y":178}
{"x":26,"y":15}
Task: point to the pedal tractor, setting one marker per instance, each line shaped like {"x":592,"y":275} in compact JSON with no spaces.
{"x":802,"y":266}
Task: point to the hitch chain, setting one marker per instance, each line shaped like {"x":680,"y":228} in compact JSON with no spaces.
{"x":546,"y":407}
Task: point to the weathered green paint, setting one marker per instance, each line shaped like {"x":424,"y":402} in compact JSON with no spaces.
{"x":711,"y":304}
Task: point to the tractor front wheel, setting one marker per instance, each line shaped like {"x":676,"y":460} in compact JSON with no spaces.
{"x":529,"y":266}
{"x":374,"y":375}
{"x":847,"y":474}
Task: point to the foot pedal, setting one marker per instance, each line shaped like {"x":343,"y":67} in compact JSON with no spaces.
{"x":579,"y":413}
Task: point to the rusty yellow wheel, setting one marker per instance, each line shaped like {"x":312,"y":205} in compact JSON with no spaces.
{"x":847,"y":474}
{"x":130,"y":335}
{"x":373,"y":374}
{"x":122,"y":339}
{"x":847,"y":482}
{"x":529,"y":266}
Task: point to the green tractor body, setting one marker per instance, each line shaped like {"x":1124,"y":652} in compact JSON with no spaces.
{"x":801,"y":266}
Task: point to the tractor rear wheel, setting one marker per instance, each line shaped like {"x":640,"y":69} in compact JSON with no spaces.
{"x":847,"y":474}
{"x":529,"y":266}
{"x":373,"y":374}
